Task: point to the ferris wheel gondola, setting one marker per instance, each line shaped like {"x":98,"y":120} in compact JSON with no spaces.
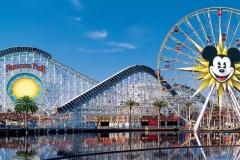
{"x":199,"y":60}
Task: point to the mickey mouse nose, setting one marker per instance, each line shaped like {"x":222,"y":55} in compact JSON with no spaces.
{"x":221,"y":70}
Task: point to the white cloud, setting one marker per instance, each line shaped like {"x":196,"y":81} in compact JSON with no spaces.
{"x":97,"y":34}
{"x":121,"y":44}
{"x":77,"y":4}
{"x":77,"y":19}
{"x":82,"y":49}
{"x":111,"y":50}
{"x":137,"y":32}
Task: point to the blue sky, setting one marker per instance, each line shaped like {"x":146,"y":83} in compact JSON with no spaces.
{"x":96,"y":37}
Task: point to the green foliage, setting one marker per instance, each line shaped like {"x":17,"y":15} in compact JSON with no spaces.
{"x":26,"y":104}
{"x":159,"y":104}
{"x":131,"y":103}
{"x":9,"y":110}
{"x":214,"y":106}
{"x":188,"y":104}
{"x":26,"y":153}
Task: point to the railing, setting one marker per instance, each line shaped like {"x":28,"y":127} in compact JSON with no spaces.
{"x":194,"y":152}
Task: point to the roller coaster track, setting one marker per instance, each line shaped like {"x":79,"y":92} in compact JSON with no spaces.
{"x":111,"y":81}
{"x":106,"y":84}
{"x":46,"y":55}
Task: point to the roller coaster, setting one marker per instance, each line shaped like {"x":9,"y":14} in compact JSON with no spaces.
{"x":69,"y":99}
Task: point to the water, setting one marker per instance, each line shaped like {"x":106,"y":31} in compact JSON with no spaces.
{"x":133,"y":145}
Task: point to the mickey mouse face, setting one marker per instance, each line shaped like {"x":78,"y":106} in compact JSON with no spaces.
{"x":221,"y":69}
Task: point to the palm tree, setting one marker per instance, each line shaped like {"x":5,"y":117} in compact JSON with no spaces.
{"x":215,"y":107}
{"x":28,"y":105}
{"x":26,"y":155}
{"x":130,"y":104}
{"x":159,"y":105}
{"x":187,"y":105}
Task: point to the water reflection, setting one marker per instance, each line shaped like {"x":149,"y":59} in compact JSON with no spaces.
{"x":183,"y":154}
{"x":52,"y":146}
{"x":225,"y":146}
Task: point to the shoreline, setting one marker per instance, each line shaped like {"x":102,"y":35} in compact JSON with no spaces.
{"x":16,"y":132}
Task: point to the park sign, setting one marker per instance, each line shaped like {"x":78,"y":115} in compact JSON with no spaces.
{"x":25,"y":84}
{"x":34,"y":66}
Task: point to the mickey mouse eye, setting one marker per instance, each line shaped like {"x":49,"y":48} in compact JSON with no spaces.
{"x":224,"y":65}
{"x":219,"y":64}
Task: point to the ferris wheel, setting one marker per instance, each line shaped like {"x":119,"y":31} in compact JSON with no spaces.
{"x":199,"y":69}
